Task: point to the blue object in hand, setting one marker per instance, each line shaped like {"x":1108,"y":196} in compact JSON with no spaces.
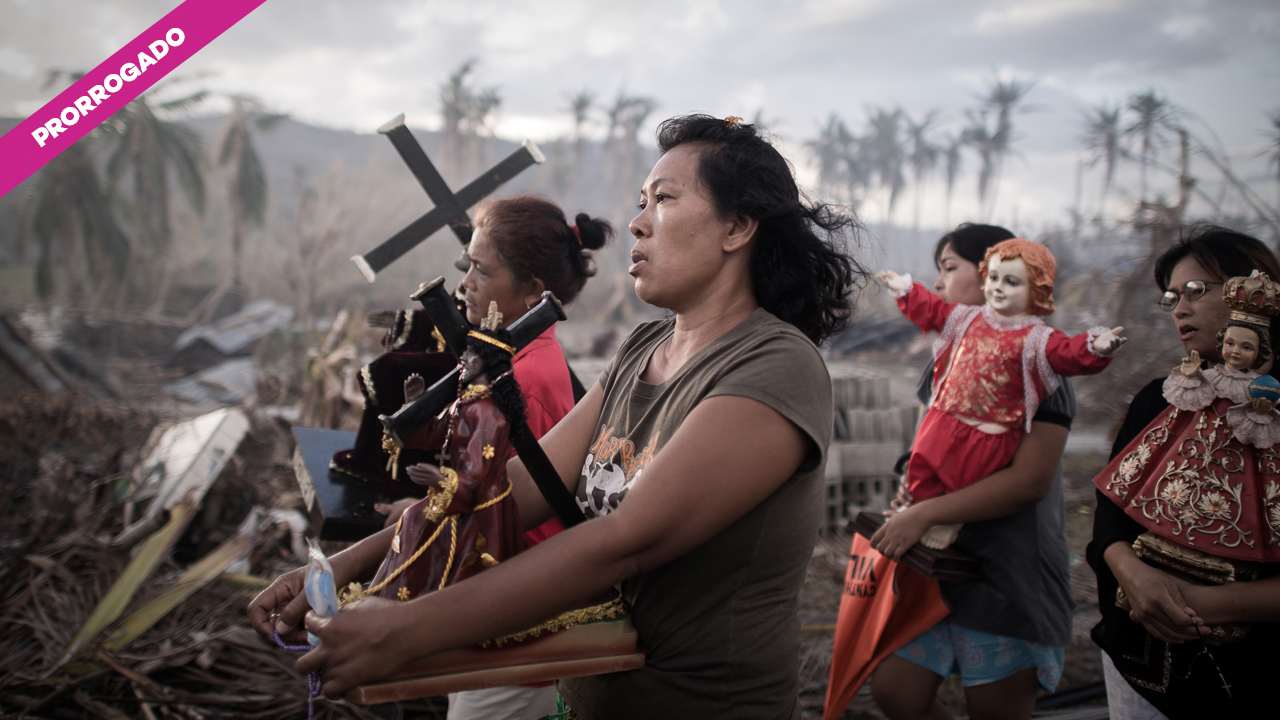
{"x":321,"y":593}
{"x":1265,"y":386}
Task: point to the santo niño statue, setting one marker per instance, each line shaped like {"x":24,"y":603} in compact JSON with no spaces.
{"x":468,"y":520}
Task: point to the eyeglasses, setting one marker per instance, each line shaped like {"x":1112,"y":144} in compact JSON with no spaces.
{"x":1193,"y":290}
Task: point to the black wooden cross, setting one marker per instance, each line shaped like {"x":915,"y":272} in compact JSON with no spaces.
{"x":450,"y":209}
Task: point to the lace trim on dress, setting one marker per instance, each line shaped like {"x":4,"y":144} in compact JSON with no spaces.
{"x":1001,"y":322}
{"x":1188,"y":393}
{"x":1230,"y":384}
{"x":1094,"y":332}
{"x":1250,"y":428}
{"x":1034,"y":360}
{"x":955,"y":327}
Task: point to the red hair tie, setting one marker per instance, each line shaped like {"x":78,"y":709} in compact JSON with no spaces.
{"x":577,"y":234}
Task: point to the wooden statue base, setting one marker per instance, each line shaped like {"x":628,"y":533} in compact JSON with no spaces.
{"x":340,"y":506}
{"x":944,"y":564}
{"x":594,"y":648}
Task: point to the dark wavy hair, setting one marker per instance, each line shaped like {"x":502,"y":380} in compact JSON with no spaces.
{"x":971,"y":241}
{"x":1223,"y":253}
{"x":801,"y":270}
{"x":534,"y":240}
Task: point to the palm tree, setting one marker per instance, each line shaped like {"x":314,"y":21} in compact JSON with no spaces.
{"x":832,"y":150}
{"x":454,"y":100}
{"x":1003,"y":97}
{"x":1273,"y":137}
{"x":73,"y":207}
{"x":984,"y":142}
{"x":580,"y":105}
{"x":247,"y":181}
{"x":1102,"y":137}
{"x":951,"y":162}
{"x":886,"y":153}
{"x":1154,"y":116}
{"x":69,"y":203}
{"x":923,"y":158}
{"x":153,"y":149}
{"x":466,"y":111}
{"x":626,"y":118}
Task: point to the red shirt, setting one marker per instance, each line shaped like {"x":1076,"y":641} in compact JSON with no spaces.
{"x":543,"y":375}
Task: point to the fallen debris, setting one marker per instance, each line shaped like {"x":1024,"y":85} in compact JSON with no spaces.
{"x":235,"y":333}
{"x":228,"y":383}
{"x":26,"y":357}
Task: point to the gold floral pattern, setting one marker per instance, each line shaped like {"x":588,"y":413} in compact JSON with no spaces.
{"x":403,"y":593}
{"x":1271,"y":505}
{"x":480,"y":554}
{"x":1132,"y":465}
{"x":1197,"y":494}
{"x":440,"y":495}
{"x":487,"y":452}
{"x":605,"y":611}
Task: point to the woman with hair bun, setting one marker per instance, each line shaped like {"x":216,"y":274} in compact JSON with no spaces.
{"x":522,"y":246}
{"x":697,"y":457}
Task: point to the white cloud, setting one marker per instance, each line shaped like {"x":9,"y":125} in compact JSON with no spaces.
{"x":349,"y":65}
{"x":1185,"y":26}
{"x":16,"y":63}
{"x":1026,"y":15}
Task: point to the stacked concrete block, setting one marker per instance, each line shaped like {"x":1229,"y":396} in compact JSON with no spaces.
{"x":870,"y":434}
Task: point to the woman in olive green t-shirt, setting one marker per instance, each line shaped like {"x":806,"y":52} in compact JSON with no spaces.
{"x":725,"y":513}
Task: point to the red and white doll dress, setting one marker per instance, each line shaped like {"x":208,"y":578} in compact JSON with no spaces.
{"x":990,"y":369}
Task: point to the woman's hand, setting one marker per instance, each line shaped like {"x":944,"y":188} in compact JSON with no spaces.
{"x":1155,"y":598}
{"x":287,"y":597}
{"x":903,"y":499}
{"x":357,"y":646}
{"x":1190,"y":365}
{"x":901,"y":532}
{"x":394,"y":510}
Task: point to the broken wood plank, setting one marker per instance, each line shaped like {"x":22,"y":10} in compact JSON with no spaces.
{"x":155,"y":549}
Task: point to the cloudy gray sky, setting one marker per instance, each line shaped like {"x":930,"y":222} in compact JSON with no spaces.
{"x":349,"y":64}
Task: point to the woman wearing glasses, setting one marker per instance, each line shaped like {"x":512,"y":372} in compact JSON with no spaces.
{"x":1153,"y":660}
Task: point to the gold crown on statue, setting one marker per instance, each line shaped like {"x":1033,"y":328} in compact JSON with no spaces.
{"x":1254,"y":299}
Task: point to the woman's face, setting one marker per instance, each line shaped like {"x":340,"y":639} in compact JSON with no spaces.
{"x":958,"y":280}
{"x":1198,"y":321}
{"x":681,"y":240}
{"x":1239,"y":347}
{"x":489,"y":280}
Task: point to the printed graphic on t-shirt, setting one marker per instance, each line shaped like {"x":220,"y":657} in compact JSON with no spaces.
{"x":611,"y":468}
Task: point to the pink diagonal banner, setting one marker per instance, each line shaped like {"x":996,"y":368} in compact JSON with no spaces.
{"x":115,"y":83}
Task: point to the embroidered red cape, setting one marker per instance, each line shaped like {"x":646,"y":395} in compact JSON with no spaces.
{"x":1187,"y":479}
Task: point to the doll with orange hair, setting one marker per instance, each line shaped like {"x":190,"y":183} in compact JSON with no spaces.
{"x":993,"y":364}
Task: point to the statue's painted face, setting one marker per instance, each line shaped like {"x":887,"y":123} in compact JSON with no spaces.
{"x":1239,"y":348}
{"x":1006,"y":289}
{"x":472,"y":365}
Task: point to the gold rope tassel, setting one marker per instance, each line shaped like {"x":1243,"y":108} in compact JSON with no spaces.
{"x":453,"y":549}
{"x":452,"y":520}
{"x":407,"y":563}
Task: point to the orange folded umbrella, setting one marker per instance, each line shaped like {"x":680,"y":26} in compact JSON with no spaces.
{"x":885,"y":606}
